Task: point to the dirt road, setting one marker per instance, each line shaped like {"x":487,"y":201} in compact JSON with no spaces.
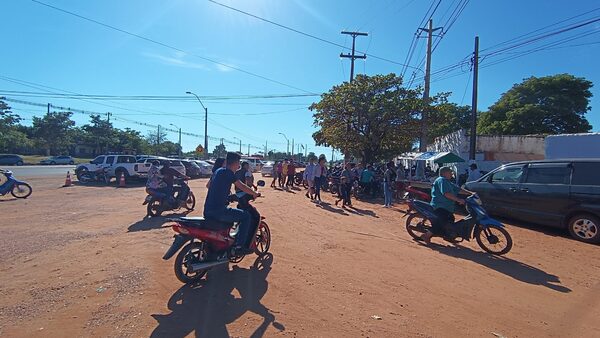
{"x":83,"y":261}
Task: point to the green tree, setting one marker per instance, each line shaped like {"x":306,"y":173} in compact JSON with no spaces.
{"x":446,"y":118}
{"x":546,"y":105}
{"x":52,"y":132}
{"x":100,"y":133}
{"x":12,"y":139}
{"x":373,"y":117}
{"x":132,"y":140}
{"x":220,"y":151}
{"x":155,"y":138}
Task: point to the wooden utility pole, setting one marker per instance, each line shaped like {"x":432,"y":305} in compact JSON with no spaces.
{"x":353,"y":56}
{"x":424,"y":115}
{"x":473,"y":138}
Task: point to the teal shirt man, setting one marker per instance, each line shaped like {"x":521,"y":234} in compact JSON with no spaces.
{"x":441,"y":186}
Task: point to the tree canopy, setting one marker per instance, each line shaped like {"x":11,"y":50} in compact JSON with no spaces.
{"x":546,"y":105}
{"x":372,"y":117}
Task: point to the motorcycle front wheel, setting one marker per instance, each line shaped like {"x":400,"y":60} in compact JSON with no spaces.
{"x":417,"y":225}
{"x":263,"y":239}
{"x":21,"y":190}
{"x":194,"y":252}
{"x":154,"y":208}
{"x":494,"y":239}
{"x":190,"y":203}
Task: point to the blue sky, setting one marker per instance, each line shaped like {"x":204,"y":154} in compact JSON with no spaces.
{"x":47,"y":47}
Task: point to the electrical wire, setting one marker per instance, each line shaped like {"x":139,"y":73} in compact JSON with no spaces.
{"x":156,"y":42}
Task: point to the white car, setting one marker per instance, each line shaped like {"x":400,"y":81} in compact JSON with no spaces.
{"x":144,"y":165}
{"x":205,"y":168}
{"x":267,"y":169}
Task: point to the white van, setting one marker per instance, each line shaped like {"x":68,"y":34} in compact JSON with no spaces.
{"x":255,"y":163}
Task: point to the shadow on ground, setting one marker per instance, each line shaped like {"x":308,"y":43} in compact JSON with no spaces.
{"x":206,"y":308}
{"x":152,"y":223}
{"x":509,"y":267}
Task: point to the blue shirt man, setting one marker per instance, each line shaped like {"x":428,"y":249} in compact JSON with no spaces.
{"x":215,"y":206}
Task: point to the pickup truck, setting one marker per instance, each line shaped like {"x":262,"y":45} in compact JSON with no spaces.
{"x":116,"y":164}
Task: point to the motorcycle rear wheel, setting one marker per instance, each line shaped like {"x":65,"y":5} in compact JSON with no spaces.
{"x":154,"y":208}
{"x":21,"y":190}
{"x":194,"y":252}
{"x":263,"y":239}
{"x":417,"y":225}
{"x":494,"y":239}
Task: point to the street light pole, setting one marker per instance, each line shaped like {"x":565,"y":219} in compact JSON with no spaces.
{"x":288,"y":143}
{"x":180,"y":149}
{"x":205,"y":125}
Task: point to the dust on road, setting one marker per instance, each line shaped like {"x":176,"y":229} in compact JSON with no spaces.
{"x":83,"y":261}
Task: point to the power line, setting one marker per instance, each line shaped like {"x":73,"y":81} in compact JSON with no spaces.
{"x":168,"y":46}
{"x":303,"y":33}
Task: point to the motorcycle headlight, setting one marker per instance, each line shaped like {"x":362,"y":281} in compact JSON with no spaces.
{"x":233,"y":231}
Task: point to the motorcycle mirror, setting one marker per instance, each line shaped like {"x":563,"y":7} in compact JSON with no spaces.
{"x":260,"y":183}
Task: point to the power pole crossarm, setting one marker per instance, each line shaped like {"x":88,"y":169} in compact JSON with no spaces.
{"x":353,"y":56}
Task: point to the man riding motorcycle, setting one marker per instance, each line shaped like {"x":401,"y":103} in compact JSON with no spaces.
{"x":160,"y":182}
{"x":444,"y":194}
{"x":215,"y":206}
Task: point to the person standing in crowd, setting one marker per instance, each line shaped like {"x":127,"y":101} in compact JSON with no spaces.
{"x":274,"y":174}
{"x":219,"y":163}
{"x":280,"y":173}
{"x":320,"y":177}
{"x":399,"y":181}
{"x":345,"y":187}
{"x":388,"y":179}
{"x":367,"y":177}
{"x":243,"y":175}
{"x":291,"y":172}
{"x":284,"y":172}
{"x":309,"y":177}
{"x":474,"y":173}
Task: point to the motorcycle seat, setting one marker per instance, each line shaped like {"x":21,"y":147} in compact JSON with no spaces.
{"x":203,"y":223}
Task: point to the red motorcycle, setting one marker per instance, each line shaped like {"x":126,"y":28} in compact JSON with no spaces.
{"x":411,"y":192}
{"x":210,"y":242}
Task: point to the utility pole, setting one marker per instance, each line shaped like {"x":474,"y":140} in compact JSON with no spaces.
{"x":473,"y":138}
{"x":293,"y":148}
{"x":353,"y":56}
{"x":424,"y":138}
{"x":248,"y":149}
{"x":157,"y":139}
{"x":266,"y":154}
{"x":108,"y":117}
{"x":48,"y":109}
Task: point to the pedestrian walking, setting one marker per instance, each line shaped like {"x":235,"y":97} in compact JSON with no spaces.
{"x":291,"y":173}
{"x":274,"y":173}
{"x":388,"y":179}
{"x":320,"y":176}
{"x":309,"y":177}
{"x":345,"y":187}
{"x":284,"y":170}
{"x":400,"y":178}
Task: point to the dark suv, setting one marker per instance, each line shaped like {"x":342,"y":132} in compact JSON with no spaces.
{"x":557,"y":193}
{"x":11,"y":160}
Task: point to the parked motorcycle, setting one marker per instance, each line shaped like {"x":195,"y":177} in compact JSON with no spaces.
{"x":18,"y":189}
{"x":411,"y":192}
{"x":488,"y":232}
{"x":99,"y":175}
{"x":157,"y":202}
{"x":210,"y":242}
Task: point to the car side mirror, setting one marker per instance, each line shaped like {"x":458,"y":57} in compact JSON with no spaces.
{"x":92,"y":162}
{"x":260,"y":183}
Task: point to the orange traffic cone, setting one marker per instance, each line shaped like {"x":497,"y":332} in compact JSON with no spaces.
{"x":122,"y":181}
{"x":68,"y":181}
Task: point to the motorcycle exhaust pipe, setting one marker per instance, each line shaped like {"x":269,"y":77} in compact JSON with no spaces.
{"x":208,"y":265}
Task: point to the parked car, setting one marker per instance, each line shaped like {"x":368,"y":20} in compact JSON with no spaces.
{"x":10,"y":159}
{"x":58,"y":160}
{"x":255,"y":163}
{"x":191,"y":168}
{"x":145,"y":164}
{"x":117,"y":165}
{"x":267,"y":169}
{"x":556,"y":193}
{"x":205,"y":168}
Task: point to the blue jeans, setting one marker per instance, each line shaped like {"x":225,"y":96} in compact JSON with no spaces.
{"x":387,"y":193}
{"x":231,"y":215}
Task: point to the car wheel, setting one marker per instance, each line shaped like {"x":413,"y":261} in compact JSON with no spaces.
{"x":20,"y":163}
{"x":585,"y":228}
{"x":52,"y":163}
{"x":71,"y":163}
